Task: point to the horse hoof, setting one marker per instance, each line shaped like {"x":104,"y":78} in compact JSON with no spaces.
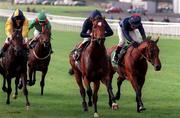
{"x":117,"y":97}
{"x":20,"y":86}
{"x":96,"y":115}
{"x":115,"y":106}
{"x":141,"y":109}
{"x":85,"y":108}
{"x":27,"y":108}
{"x":8,"y":102}
{"x":14,"y":96}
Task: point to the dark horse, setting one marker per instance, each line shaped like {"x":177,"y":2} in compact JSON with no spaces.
{"x":94,"y":67}
{"x":134,"y":67}
{"x":39,"y":58}
{"x":13,"y":64}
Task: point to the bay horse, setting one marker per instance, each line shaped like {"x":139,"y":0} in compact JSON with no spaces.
{"x":94,"y":67}
{"x":14,"y":64}
{"x":134,"y":67}
{"x":39,"y":58}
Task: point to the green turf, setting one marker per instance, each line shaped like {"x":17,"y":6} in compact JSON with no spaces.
{"x":62,"y":99}
{"x":82,"y":11}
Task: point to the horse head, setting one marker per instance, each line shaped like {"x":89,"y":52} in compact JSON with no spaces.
{"x":17,"y":42}
{"x":98,"y":29}
{"x":151,"y":52}
{"x":44,"y":38}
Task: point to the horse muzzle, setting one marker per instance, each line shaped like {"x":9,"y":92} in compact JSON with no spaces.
{"x":157,"y":67}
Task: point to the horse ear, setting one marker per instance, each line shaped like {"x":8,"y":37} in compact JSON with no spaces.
{"x":149,"y":37}
{"x":157,"y":40}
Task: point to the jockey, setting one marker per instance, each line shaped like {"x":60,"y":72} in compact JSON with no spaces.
{"x":126,"y":31}
{"x":41,"y":23}
{"x":86,"y":31}
{"x":16,"y":21}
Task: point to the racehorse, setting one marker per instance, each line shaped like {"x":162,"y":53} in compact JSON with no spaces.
{"x":94,"y":67}
{"x":134,"y":67}
{"x":39,"y":58}
{"x":13,"y":64}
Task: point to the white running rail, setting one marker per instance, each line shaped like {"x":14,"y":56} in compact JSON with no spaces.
{"x":66,"y":23}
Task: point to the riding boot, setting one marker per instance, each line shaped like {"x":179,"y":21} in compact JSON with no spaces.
{"x":121,"y":54}
{"x":79,"y":50}
{"x":115,"y":57}
{"x":3,"y":50}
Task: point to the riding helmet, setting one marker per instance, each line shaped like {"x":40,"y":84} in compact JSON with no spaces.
{"x":135,"y":20}
{"x":18,"y":15}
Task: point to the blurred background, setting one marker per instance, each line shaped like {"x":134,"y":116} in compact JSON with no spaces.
{"x":151,"y":10}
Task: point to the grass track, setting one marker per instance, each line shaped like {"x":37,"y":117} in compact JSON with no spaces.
{"x":62,"y":99}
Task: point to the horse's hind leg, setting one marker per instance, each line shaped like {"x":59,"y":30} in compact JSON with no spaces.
{"x":42,"y":83}
{"x":119,"y":83}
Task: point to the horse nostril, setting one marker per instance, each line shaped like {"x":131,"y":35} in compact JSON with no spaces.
{"x":157,"y":67}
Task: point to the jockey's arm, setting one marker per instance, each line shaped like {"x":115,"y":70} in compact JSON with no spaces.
{"x":108,"y":30}
{"x":8,"y":27}
{"x":126,"y":35}
{"x":32,"y":24}
{"x":142,"y":32}
{"x":85,"y":29}
{"x":25,"y":29}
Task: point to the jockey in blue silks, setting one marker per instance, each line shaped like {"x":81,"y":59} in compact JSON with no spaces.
{"x":126,"y":33}
{"x":87,"y":28}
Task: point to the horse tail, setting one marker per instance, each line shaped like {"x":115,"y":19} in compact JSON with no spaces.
{"x":71,"y":72}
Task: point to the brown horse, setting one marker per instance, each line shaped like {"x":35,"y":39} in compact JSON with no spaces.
{"x":94,"y":67}
{"x":134,"y":67}
{"x":13,"y":64}
{"x":39,"y":58}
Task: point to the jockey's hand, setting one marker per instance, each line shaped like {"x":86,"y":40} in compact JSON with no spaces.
{"x":135,"y":44}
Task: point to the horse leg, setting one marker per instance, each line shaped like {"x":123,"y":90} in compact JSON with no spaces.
{"x":140,"y":103}
{"x":95,"y":97}
{"x":137,"y":89}
{"x":89,"y":93}
{"x":42,"y":83}
{"x":30,"y":83}
{"x":82,"y":90}
{"x":16,"y":87}
{"x":119,"y":83}
{"x":112,"y":100}
{"x":4,"y":88}
{"x":34,"y":78}
{"x":25,"y":91}
{"x":9,"y":90}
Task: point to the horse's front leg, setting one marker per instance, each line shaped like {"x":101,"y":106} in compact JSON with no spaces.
{"x":119,"y":83}
{"x":133,"y":79}
{"x":139,"y":95}
{"x":9,"y":90}
{"x":30,"y":71}
{"x":95,"y":97}
{"x":42,"y":83}
{"x":25,"y":91}
{"x":16,"y":87}
{"x":78,"y":77}
{"x":89,"y":93}
{"x":4,"y":88}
